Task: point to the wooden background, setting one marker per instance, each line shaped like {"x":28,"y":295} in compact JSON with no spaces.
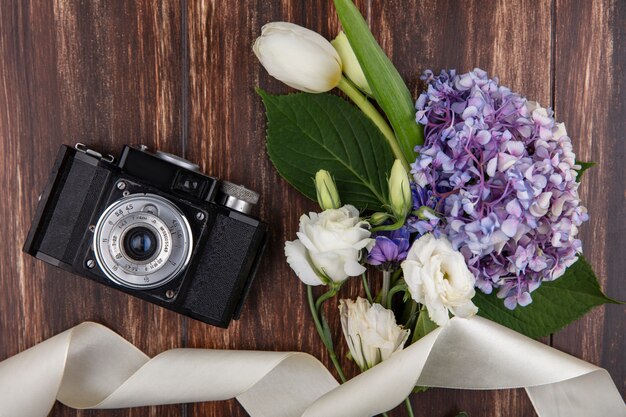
{"x":180,"y":76}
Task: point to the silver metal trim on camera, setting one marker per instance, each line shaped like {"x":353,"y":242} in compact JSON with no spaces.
{"x":237,"y":197}
{"x":177,"y":160}
{"x":81,"y":147}
{"x":167,"y":223}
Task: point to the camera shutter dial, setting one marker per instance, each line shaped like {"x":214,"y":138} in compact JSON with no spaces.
{"x":237,"y":197}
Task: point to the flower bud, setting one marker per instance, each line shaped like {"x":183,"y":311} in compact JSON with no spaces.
{"x":327,"y":195}
{"x":379,"y":218}
{"x":351,"y":66}
{"x":426,"y":213}
{"x":370,"y":331}
{"x":400,"y":197}
{"x":299,"y":57}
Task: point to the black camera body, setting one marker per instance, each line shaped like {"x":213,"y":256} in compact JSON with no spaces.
{"x":153,"y":226}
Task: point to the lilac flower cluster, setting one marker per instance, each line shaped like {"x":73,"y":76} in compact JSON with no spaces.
{"x":506,"y":174}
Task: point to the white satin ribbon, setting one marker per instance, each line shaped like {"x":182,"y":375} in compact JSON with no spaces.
{"x":90,"y":366}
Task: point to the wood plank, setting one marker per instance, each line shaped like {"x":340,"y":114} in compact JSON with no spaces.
{"x":589,"y":89}
{"x":227,"y":137}
{"x":510,"y":40}
{"x":100,"y":73}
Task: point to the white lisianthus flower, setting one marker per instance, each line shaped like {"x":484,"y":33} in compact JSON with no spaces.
{"x":329,"y":246}
{"x":299,"y":57}
{"x":438,"y":277}
{"x":370,"y":331}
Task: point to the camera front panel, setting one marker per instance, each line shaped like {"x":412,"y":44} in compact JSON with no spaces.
{"x":66,"y":206}
{"x":142,"y":240}
{"x":224,"y":267}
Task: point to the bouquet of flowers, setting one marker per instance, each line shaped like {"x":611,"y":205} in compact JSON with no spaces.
{"x":462,"y":202}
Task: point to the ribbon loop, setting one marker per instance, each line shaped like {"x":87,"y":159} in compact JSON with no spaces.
{"x":90,"y":366}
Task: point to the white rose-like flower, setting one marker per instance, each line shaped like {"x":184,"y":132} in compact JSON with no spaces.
{"x":370,"y":331}
{"x":299,"y":57}
{"x":329,"y":246}
{"x":438,"y":277}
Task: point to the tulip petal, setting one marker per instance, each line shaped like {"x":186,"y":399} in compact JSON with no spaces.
{"x":298,"y":57}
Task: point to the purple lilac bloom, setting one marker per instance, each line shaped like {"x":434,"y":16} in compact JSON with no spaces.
{"x":506,"y":173}
{"x":390,"y":249}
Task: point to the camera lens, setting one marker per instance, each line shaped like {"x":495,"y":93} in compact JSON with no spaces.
{"x":140,"y":243}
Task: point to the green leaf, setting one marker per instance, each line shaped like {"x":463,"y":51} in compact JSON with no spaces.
{"x":423,"y":326}
{"x":387,"y":85}
{"x":584,"y":166}
{"x":555,"y":303}
{"x":309,"y":132}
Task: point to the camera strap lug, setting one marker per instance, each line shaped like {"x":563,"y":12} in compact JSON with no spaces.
{"x":81,"y":147}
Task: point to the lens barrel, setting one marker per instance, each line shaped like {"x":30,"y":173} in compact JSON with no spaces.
{"x":140,"y":243}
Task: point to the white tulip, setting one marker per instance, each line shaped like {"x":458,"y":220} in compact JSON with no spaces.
{"x":299,"y":57}
{"x":350,"y":63}
{"x":370,"y":331}
{"x":329,"y":246}
{"x":438,"y":277}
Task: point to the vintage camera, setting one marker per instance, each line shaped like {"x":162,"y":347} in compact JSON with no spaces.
{"x":151,"y":225}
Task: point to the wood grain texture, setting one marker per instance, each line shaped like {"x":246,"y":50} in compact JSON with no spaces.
{"x":226,"y":136}
{"x":180,"y":76}
{"x":91,"y":72}
{"x":590,"y":64}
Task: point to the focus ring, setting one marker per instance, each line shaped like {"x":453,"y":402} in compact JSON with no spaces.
{"x":163,"y":220}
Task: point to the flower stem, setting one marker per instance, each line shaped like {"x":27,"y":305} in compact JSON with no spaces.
{"x":395,"y":226}
{"x":385,"y":289}
{"x":395,"y":276}
{"x":320,"y":329}
{"x":409,"y":408}
{"x":395,"y":289}
{"x":366,"y":286}
{"x":409,"y":315}
{"x":370,"y":111}
{"x":327,"y":295}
